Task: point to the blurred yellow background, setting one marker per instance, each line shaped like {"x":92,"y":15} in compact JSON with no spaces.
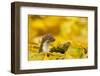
{"x":63,"y":28}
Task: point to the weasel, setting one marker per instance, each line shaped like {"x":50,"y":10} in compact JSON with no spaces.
{"x":46,"y":39}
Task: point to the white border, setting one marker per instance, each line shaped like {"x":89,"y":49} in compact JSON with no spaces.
{"x":25,"y":64}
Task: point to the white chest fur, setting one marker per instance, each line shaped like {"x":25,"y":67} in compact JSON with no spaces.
{"x":45,"y":46}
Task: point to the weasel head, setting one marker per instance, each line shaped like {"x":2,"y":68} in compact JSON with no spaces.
{"x":48,"y":38}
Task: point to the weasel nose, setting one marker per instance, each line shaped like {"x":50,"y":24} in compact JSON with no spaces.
{"x":53,"y":39}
